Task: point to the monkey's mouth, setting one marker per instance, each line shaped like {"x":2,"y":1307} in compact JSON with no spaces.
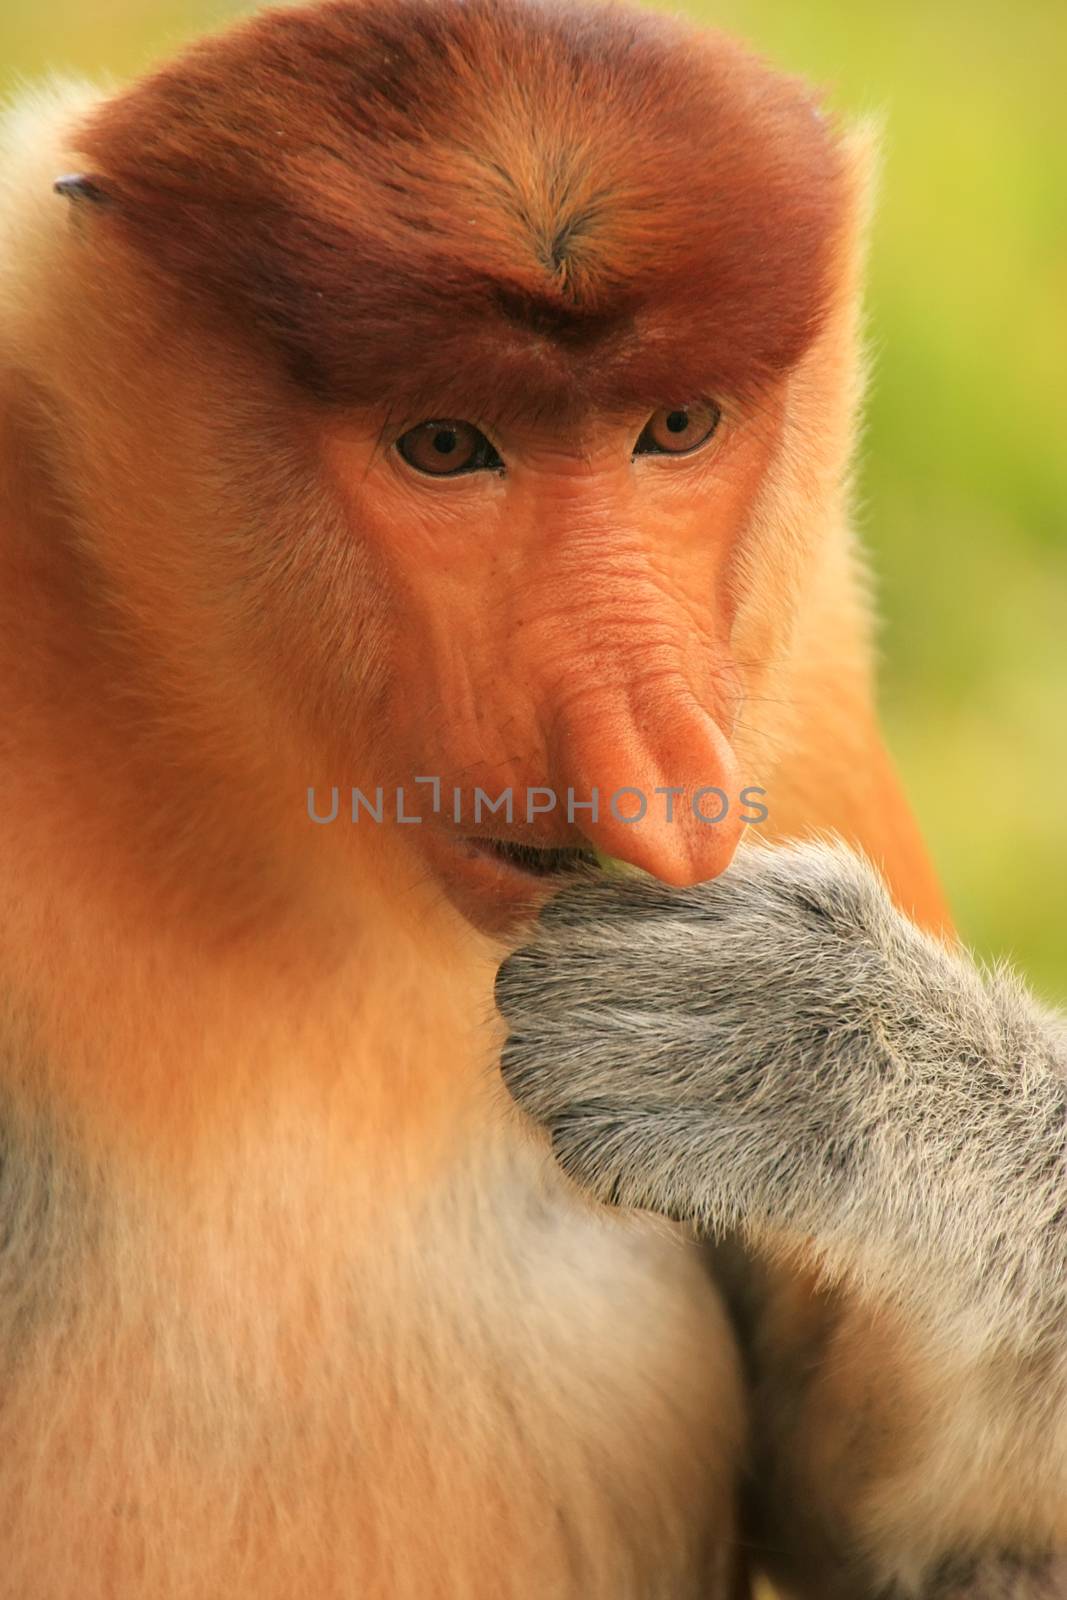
{"x":535,"y":861}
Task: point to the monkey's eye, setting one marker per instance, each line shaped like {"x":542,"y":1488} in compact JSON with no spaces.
{"x":445,"y":449}
{"x":676,"y":430}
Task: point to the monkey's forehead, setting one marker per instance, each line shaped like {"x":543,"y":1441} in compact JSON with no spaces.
{"x":582,"y":201}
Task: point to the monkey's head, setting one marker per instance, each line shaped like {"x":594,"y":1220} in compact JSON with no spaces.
{"x":476,"y":380}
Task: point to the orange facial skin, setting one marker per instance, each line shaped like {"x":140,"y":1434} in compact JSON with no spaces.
{"x":573,"y":608}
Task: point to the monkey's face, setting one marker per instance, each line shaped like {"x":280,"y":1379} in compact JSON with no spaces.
{"x":536,"y":281}
{"x":560,"y":655}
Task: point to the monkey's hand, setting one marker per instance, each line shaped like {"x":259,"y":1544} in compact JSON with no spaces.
{"x":712,"y":1052}
{"x":782,"y":1052}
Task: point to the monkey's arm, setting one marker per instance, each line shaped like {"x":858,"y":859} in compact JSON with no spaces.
{"x":783,"y":1054}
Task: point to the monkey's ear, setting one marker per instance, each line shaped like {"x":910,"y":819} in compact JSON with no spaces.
{"x":80,"y":186}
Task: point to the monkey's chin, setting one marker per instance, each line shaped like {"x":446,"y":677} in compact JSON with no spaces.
{"x":497,"y":886}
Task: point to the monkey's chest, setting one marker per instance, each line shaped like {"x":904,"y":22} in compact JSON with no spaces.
{"x":501,"y":1397}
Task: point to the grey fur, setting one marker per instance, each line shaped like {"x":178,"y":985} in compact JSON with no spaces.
{"x":784,"y":1057}
{"x":49,"y":1211}
{"x":1000,"y":1578}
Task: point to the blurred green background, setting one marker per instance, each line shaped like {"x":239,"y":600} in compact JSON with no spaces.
{"x":964,"y":481}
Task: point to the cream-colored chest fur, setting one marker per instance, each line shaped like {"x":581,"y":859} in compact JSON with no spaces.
{"x":292,"y":1304}
{"x":275,"y":1381}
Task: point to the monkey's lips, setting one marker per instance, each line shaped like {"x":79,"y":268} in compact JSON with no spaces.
{"x":536,"y":861}
{"x":496,"y":883}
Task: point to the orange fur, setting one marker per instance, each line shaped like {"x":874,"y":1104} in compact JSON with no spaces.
{"x":310,"y":1311}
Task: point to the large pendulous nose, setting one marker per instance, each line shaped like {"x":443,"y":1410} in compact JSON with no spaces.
{"x":649,"y":778}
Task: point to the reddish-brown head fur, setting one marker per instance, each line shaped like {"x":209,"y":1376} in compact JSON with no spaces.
{"x":578,"y":206}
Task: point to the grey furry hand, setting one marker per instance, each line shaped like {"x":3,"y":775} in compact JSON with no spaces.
{"x":783,"y":1049}
{"x":702,"y":1051}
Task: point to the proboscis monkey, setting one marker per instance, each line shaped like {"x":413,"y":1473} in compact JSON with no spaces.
{"x":416,"y":401}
